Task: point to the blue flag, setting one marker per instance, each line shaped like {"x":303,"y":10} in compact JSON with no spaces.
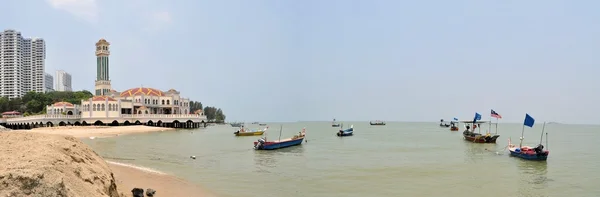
{"x":477,"y":117}
{"x":529,"y":121}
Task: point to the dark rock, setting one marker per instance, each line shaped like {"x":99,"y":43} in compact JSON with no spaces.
{"x":137,"y":192}
{"x":150,"y":192}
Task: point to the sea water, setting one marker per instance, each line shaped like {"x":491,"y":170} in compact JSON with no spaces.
{"x":398,"y":159}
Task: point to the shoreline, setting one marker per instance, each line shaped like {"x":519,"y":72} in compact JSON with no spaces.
{"x":98,"y":131}
{"x":129,"y":176}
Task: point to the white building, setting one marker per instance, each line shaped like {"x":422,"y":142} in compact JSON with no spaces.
{"x":63,"y":81}
{"x":22,"y":64}
{"x":49,"y":82}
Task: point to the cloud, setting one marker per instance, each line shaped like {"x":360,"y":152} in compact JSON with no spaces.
{"x":85,"y":9}
{"x":162,"y":17}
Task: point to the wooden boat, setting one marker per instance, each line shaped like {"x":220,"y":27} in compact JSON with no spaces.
{"x":442,"y":123}
{"x":334,"y":124}
{"x":476,"y":137}
{"x":264,"y":144}
{"x":346,"y":132}
{"x":526,"y":152}
{"x":377,"y":122}
{"x":244,"y":132}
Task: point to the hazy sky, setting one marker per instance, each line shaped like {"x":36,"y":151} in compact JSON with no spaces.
{"x":288,"y":60}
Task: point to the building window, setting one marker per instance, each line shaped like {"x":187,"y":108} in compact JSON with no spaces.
{"x":163,"y":102}
{"x":102,"y":107}
{"x":110,"y":107}
{"x":95,"y":109}
{"x":168,"y":102}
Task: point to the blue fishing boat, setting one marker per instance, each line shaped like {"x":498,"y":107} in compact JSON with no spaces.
{"x":346,"y":132}
{"x":526,"y":152}
{"x":264,"y":144}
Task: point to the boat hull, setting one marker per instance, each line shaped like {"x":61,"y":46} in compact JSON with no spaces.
{"x":529,"y":155}
{"x":453,"y":128}
{"x":378,"y":124}
{"x":481,"y":138}
{"x":335,"y":125}
{"x":278,"y":145}
{"x":343,"y":134}
{"x":255,"y":133}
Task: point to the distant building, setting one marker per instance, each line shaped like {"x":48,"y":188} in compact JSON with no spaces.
{"x":63,"y":81}
{"x":49,"y":82}
{"x":22,"y":64}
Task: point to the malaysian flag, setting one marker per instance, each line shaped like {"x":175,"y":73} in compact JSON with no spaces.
{"x":495,"y":115}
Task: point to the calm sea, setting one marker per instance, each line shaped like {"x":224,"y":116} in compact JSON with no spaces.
{"x":399,"y":159}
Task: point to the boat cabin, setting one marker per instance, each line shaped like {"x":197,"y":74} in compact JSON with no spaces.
{"x":471,"y":126}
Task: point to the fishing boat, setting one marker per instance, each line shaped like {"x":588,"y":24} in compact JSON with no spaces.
{"x":471,"y":135}
{"x":264,"y":144}
{"x":244,"y":132}
{"x":334,"y":124}
{"x":442,"y":123}
{"x":262,"y":124}
{"x":346,"y":132}
{"x":526,"y":152}
{"x":453,"y":126}
{"x":377,"y":122}
{"x":236,"y":124}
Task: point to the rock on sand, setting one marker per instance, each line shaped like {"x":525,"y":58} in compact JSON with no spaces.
{"x":44,"y":165}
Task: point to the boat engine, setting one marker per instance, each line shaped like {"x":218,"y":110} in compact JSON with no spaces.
{"x":539,"y":149}
{"x":260,"y":143}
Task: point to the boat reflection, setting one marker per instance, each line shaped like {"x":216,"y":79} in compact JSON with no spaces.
{"x":533,"y":180}
{"x":266,"y":160}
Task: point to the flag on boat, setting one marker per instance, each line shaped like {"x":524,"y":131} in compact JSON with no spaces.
{"x":495,"y":115}
{"x":529,"y":121}
{"x":456,"y":119}
{"x":477,"y":117}
{"x":304,"y":131}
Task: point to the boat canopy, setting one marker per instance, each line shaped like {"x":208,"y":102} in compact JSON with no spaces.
{"x":477,"y":122}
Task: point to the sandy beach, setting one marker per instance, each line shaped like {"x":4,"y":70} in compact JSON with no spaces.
{"x":98,"y":131}
{"x":129,"y":176}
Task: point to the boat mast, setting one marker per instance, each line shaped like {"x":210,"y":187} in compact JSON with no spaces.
{"x":280,"y":129}
{"x":542,"y":136}
{"x":496,"y":126}
{"x":522,"y":132}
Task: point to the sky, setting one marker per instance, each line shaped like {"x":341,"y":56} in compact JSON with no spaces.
{"x":285,"y":60}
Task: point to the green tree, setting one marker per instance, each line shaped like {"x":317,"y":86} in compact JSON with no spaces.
{"x":195,"y":105}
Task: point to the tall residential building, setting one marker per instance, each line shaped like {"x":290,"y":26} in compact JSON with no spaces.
{"x":22,"y":64}
{"x":63,"y":81}
{"x":49,"y":82}
{"x":102,"y":78}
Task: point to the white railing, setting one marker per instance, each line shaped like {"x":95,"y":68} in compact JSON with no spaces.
{"x":161,"y":116}
{"x":44,"y":117}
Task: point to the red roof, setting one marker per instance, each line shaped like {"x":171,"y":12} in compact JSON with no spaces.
{"x":63,"y":104}
{"x":103,"y":98}
{"x":142,"y":91}
{"x":11,"y":113}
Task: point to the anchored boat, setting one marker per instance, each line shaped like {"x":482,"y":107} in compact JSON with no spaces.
{"x":264,"y":144}
{"x":244,"y":132}
{"x":377,"y":122}
{"x":526,"y":152}
{"x":346,"y":132}
{"x":334,"y":124}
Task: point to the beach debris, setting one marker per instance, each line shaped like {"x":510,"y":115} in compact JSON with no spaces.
{"x":91,"y":138}
{"x":137,"y":192}
{"x":193,"y":157}
{"x":150,"y":192}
